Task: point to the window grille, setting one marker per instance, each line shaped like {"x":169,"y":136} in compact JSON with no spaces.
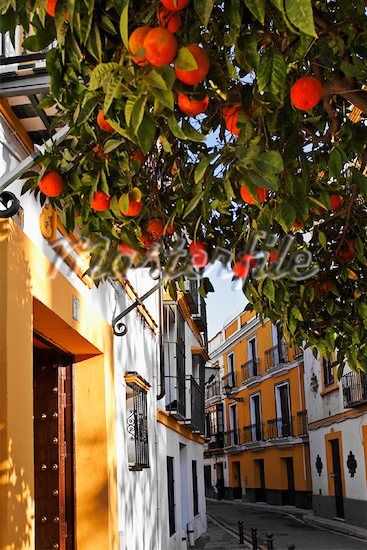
{"x":137,"y":427}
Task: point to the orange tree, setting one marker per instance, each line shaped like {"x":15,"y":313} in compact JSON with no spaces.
{"x":219,"y":118}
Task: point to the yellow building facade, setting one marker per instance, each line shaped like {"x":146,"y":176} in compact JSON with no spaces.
{"x":265,"y":454}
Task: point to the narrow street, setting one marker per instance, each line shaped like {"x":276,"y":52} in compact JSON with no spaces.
{"x":287,"y":530}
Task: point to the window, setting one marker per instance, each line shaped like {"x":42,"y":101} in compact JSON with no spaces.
{"x":195,"y":487}
{"x":171,"y":495}
{"x":328,"y":372}
{"x":252,"y":356}
{"x":284,"y":419}
{"x":255,"y":412}
{"x":231,"y":370}
{"x":137,"y":427}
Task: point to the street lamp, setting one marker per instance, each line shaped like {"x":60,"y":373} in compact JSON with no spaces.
{"x":227,"y":390}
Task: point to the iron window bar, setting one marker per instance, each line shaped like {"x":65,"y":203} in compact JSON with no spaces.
{"x":137,"y":427}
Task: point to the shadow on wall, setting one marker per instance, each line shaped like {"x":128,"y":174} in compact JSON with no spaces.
{"x":16,"y":397}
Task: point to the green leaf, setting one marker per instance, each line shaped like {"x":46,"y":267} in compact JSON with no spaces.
{"x":175,"y":128}
{"x":257,"y":8}
{"x":100,"y":73}
{"x":94,"y":43}
{"x":192,"y":204}
{"x":147,"y":133}
{"x":166,"y":97}
{"x":361,"y":181}
{"x":155,"y":80}
{"x":322,"y":239}
{"x":111,"y":92}
{"x":286,"y":215}
{"x":124,"y":24}
{"x":185,"y":60}
{"x":191,"y":133}
{"x":270,"y":162}
{"x":138,"y":113}
{"x":204,"y":9}
{"x":86,"y":22}
{"x":201,"y":169}
{"x":335,"y":163}
{"x":269,"y":289}
{"x":272,"y":72}
{"x":299,"y":13}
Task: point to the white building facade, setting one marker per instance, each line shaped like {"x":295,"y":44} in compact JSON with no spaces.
{"x":337,"y":413}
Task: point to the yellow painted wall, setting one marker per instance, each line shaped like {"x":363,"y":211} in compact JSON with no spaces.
{"x":30,"y":300}
{"x":231,"y":329}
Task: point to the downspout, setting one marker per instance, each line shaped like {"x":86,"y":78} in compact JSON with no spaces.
{"x":161,"y":350}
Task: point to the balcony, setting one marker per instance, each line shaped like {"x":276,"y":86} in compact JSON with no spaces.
{"x":213,"y":390}
{"x":253,"y":433}
{"x":216,"y":441}
{"x":176,"y":396}
{"x":276,"y":355}
{"x":288,"y":426}
{"x":232,"y":438}
{"x":197,"y":421}
{"x":250,"y":369}
{"x":192,"y":295}
{"x":229,"y":379}
{"x":354,"y":386}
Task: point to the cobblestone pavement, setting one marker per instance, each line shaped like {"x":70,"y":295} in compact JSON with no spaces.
{"x":287,"y":530}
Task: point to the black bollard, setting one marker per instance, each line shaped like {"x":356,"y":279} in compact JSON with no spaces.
{"x":269,"y":541}
{"x":240,"y":532}
{"x":291,"y":547}
{"x":254,"y":538}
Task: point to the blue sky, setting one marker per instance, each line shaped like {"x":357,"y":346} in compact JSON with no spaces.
{"x":223,"y":304}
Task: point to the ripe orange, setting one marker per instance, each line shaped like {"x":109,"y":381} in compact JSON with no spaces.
{"x":297,"y":224}
{"x":155,"y":228}
{"x":98,"y":150}
{"x":175,"y":5}
{"x":262,"y":195}
{"x":244,"y":265}
{"x":195,"y":75}
{"x":127,"y":250}
{"x":273,"y":256}
{"x":139,"y":156}
{"x":160,"y":46}
{"x":348,"y":252}
{"x":103,"y":123}
{"x":192,"y":107}
{"x":51,"y":7}
{"x":198,"y":253}
{"x":336,"y":202}
{"x":230,"y":115}
{"x":306,"y":92}
{"x":136,"y":45}
{"x":51,"y":184}
{"x":133,"y":209}
{"x":170,"y":229}
{"x":170,"y":20}
{"x":147,"y":240}
{"x":100,"y":202}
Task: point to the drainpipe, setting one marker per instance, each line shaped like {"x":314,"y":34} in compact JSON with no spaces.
{"x":190,"y":532}
{"x":161,"y":350}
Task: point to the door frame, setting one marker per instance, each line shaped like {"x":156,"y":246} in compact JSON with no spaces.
{"x":329,"y":461}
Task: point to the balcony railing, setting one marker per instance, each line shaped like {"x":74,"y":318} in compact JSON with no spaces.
{"x":176,"y":396}
{"x":280,"y":427}
{"x":354,"y":386}
{"x":197,"y":405}
{"x":276,"y":355}
{"x":250,"y":369}
{"x":212,"y":390}
{"x":229,"y":379}
{"x":232,"y":438}
{"x":254,"y":432}
{"x":216,"y":441}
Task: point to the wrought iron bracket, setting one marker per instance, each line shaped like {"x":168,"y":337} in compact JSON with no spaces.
{"x":119,"y":328}
{"x":7,"y":197}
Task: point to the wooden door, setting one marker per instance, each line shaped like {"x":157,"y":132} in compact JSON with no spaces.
{"x":337,"y":476}
{"x":53,"y":450}
{"x":260,"y":492}
{"x":291,"y":494}
{"x":237,"y":489}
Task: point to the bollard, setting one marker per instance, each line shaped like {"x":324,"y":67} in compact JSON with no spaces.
{"x":254,"y":538}
{"x":291,"y":547}
{"x":240,"y":532}
{"x":269,"y":541}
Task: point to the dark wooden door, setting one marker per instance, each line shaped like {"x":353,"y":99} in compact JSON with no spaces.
{"x":337,"y":476}
{"x":53,"y":450}
{"x":260,"y":492}
{"x":237,"y":490}
{"x":291,"y":495}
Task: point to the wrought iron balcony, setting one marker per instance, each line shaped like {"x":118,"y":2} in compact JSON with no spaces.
{"x":197,"y":405}
{"x":250,"y":369}
{"x":280,"y":427}
{"x":232,"y":438}
{"x":176,"y":396}
{"x":354,"y":386}
{"x":199,"y":317}
{"x":216,"y":441}
{"x":229,"y":379}
{"x":212,"y":390}
{"x":254,"y":432}
{"x":192,"y":295}
{"x":276,"y":355}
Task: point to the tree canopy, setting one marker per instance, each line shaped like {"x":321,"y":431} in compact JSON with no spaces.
{"x":133,"y":141}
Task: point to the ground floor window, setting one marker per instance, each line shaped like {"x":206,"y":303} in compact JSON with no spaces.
{"x":171,"y":495}
{"x":137,"y":427}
